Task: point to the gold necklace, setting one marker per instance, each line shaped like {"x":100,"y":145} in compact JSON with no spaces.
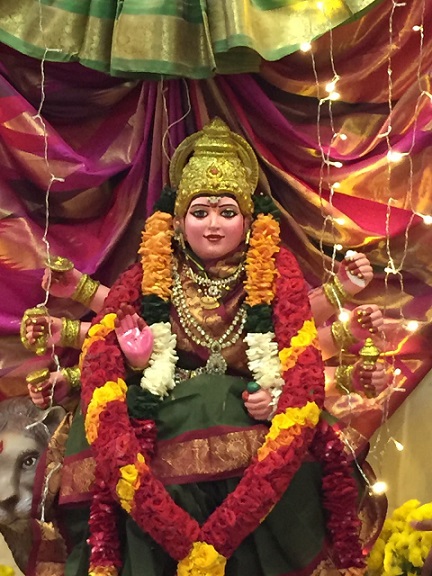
{"x":216,"y":364}
{"x":213,"y":290}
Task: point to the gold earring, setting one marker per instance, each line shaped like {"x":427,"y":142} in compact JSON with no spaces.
{"x":179,"y":238}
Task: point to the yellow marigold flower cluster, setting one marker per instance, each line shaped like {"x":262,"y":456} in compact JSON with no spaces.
{"x":306,"y":336}
{"x":97,"y":332}
{"x":109,"y":392}
{"x":400,"y":549}
{"x":287,"y":425}
{"x":103,"y":571}
{"x":202,"y":560}
{"x":130,"y":481}
{"x":156,"y":255}
{"x":260,"y":262}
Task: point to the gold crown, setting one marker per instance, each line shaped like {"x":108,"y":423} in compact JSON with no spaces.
{"x":214,"y":161}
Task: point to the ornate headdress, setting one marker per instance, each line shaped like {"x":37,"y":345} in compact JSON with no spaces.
{"x":214,"y":161}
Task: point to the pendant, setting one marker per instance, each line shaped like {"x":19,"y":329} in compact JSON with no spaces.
{"x":216,"y":364}
{"x":209,"y":303}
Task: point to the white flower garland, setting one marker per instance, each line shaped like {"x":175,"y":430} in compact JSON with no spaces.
{"x":263,"y":360}
{"x":158,"y":377}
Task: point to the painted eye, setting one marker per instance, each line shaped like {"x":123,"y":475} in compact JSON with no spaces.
{"x":199,"y":213}
{"x":29,"y":461}
{"x":229,"y":213}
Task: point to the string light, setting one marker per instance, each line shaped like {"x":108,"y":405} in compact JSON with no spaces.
{"x":412,"y":325}
{"x":417,"y":28}
{"x":344,"y":316}
{"x":336,"y":185}
{"x":341,"y":221}
{"x":305,"y":46}
{"x":427,"y":219}
{"x":343,"y":136}
{"x":379,"y":487}
{"x":394,"y":156}
{"x":398,"y":445}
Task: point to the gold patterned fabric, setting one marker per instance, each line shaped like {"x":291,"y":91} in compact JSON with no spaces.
{"x":175,"y":38}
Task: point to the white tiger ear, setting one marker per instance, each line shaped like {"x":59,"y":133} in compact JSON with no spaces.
{"x":53,"y":417}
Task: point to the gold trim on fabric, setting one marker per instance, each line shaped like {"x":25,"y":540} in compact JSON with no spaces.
{"x":207,"y":457}
{"x":77,"y":477}
{"x":51,"y":551}
{"x":271,"y":32}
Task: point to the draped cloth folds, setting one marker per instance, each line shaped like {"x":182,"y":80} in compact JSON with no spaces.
{"x":193,"y":38}
{"x":108,"y":142}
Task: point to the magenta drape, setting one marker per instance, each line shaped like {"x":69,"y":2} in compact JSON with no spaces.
{"x":90,"y":163}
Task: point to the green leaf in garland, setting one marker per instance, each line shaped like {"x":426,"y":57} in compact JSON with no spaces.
{"x":166,"y":201}
{"x":259,"y":318}
{"x":265,"y":205}
{"x":154,"y":309}
{"x":142,"y":404}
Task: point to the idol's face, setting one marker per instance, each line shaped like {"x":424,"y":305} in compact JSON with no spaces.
{"x":214,"y":226}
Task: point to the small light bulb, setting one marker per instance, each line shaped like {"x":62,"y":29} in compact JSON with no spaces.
{"x":412,"y":325}
{"x":337,"y":164}
{"x":344,"y":316}
{"x":397,"y":372}
{"x":334,"y":95}
{"x":340,"y":221}
{"x":398,"y":445}
{"x":427,"y":219}
{"x":330,"y":86}
{"x":337,"y":185}
{"x":393,"y":156}
{"x":320,"y":5}
{"x":379,"y":487}
{"x":390,"y":270}
{"x":343,"y":136}
{"x":417,"y":28}
{"x":305,"y":46}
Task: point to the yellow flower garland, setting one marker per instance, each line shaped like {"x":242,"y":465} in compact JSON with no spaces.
{"x":260,"y":264}
{"x":97,"y":332}
{"x":202,"y":560}
{"x":287,"y":425}
{"x":306,"y":336}
{"x":109,"y":392}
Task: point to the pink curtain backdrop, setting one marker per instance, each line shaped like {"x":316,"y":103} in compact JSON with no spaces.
{"x":95,"y":157}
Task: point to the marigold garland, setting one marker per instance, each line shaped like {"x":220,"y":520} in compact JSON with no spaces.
{"x":122,"y":464}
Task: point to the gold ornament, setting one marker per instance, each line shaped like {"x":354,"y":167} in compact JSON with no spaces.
{"x":59,"y":264}
{"x":217,"y":162}
{"x":70,"y":333}
{"x":37,"y":377}
{"x":85,"y":290}
{"x":72,"y":376}
{"x":30,"y":315}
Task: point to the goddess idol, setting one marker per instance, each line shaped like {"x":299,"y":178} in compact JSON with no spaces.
{"x":203,"y":391}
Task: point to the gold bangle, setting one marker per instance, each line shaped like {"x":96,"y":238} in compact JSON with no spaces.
{"x":342,"y":293}
{"x":341,"y":335}
{"x":85,"y":290}
{"x":343,"y":378}
{"x":331,"y":294}
{"x":72,"y":376}
{"x":70,"y":333}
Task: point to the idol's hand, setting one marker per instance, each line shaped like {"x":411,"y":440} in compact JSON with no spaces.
{"x":134,"y":336}
{"x":48,"y":327}
{"x":61,"y":284}
{"x":54,"y":390}
{"x":355,"y":272}
{"x":258,"y":404}
{"x":369,"y":380}
{"x":365,"y":321}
